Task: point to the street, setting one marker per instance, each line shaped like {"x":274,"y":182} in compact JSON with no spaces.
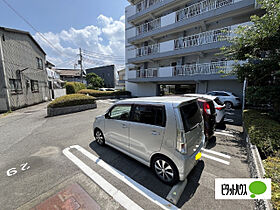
{"x":35,"y":166}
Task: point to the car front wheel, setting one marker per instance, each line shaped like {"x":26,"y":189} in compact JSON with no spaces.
{"x":165,"y":170}
{"x":99,"y":137}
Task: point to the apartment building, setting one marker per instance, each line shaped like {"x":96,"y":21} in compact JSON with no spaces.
{"x":23,"y":77}
{"x":176,"y":42}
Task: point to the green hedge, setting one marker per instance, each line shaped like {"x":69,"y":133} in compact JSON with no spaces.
{"x":272,"y":170}
{"x":263,"y":131}
{"x":74,"y":87}
{"x":98,"y":93}
{"x":72,"y":100}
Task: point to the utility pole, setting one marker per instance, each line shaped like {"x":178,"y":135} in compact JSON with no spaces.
{"x":81,"y":64}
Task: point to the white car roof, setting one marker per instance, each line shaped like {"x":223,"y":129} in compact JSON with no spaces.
{"x":175,"y":100}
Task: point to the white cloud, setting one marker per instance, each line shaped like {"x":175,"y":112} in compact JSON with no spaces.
{"x":105,"y":40}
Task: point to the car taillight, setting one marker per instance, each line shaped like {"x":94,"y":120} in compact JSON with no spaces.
{"x":206,"y":108}
{"x":220,"y":108}
{"x":181,"y":142}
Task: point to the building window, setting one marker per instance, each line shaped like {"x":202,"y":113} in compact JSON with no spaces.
{"x":15,"y":86}
{"x":39,"y":63}
{"x":34,"y":86}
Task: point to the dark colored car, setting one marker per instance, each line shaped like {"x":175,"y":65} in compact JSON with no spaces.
{"x":209,"y":116}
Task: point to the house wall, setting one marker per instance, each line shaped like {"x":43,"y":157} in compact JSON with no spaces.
{"x":20,"y":52}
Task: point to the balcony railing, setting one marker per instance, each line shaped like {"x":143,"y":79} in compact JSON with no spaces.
{"x":188,"y":12}
{"x":147,"y":73}
{"x":152,"y":25}
{"x":201,"y":7}
{"x":145,"y":4}
{"x":147,"y":50}
{"x":203,"y":38}
{"x":204,"y":68}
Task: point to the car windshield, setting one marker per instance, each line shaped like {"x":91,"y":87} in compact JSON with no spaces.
{"x":190,"y":115}
{"x":234,"y":94}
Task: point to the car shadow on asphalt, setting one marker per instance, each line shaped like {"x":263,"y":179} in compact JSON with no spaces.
{"x":143,"y":174}
{"x":193,"y":183}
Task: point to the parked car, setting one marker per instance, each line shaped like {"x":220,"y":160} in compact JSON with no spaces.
{"x":209,"y":115}
{"x":229,"y":99}
{"x":165,"y":133}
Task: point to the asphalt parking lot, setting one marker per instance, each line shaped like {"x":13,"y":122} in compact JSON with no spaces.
{"x":112,"y":179}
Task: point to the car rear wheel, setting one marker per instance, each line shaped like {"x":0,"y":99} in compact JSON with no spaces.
{"x":99,"y":137}
{"x":165,"y":170}
{"x":228,"y":104}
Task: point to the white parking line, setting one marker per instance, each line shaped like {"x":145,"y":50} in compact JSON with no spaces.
{"x":216,"y":159}
{"x":223,"y":131}
{"x":225,"y":134}
{"x":110,"y":189}
{"x":216,"y":153}
{"x":127,"y":180}
{"x":228,"y":120}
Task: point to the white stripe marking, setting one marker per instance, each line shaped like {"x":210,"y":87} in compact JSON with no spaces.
{"x":110,"y":189}
{"x":223,"y":131}
{"x":216,"y":159}
{"x":228,"y":120}
{"x":216,"y":153}
{"x":127,"y":180}
{"x":225,"y":134}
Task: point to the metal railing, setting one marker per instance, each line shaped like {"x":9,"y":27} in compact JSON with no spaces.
{"x":145,"y":4}
{"x":190,"y":11}
{"x":147,"y":50}
{"x":152,"y":25}
{"x":147,"y":73}
{"x":207,"y":37}
{"x":203,"y":68}
{"x":201,"y":7}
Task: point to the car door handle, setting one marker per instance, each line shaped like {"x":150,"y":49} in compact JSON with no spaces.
{"x":155,"y":133}
{"x":124,"y":125}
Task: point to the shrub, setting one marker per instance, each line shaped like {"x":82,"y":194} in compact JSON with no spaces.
{"x":272,"y":170}
{"x":263,"y":131}
{"x":72,"y":100}
{"x":74,"y":87}
{"x":98,"y":93}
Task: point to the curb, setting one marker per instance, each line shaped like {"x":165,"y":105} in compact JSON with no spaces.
{"x":71,"y":109}
{"x":256,"y":169}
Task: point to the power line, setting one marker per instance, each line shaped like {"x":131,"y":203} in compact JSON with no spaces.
{"x":102,"y":54}
{"x":100,"y":58}
{"x":28,"y":23}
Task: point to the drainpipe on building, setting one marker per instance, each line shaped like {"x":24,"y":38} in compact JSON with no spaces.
{"x":4,"y":74}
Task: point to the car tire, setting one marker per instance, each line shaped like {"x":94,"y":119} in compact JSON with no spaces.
{"x":165,"y":170}
{"x":228,"y":104}
{"x":99,"y":137}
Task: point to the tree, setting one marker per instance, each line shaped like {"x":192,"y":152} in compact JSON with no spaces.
{"x":94,"y":81}
{"x":258,"y":45}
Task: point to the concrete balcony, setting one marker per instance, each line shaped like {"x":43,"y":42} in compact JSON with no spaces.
{"x":150,"y":8}
{"x":199,"y":71}
{"x":208,"y":40}
{"x":189,"y":17}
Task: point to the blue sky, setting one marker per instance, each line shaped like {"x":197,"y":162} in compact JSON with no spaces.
{"x":95,"y":25}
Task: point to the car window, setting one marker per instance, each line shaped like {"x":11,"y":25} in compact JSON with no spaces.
{"x":152,"y":115}
{"x":190,"y":115}
{"x":120,"y":112}
{"x":221,"y":94}
{"x":218,"y":101}
{"x":211,"y":93}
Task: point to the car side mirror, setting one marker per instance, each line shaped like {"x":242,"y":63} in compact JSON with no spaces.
{"x":107,"y":116}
